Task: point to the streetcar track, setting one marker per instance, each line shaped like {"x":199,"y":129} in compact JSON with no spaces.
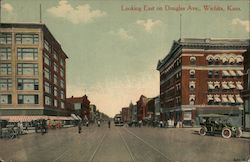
{"x":127,"y":147}
{"x":98,"y":147}
{"x":148,"y":144}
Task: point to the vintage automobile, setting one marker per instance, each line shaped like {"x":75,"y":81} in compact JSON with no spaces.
{"x":218,"y":124}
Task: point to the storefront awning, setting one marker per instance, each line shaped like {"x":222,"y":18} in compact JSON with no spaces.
{"x":74,"y":117}
{"x":79,"y":117}
{"x":22,"y":118}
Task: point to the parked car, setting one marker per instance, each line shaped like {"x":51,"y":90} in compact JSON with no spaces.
{"x":218,"y":124}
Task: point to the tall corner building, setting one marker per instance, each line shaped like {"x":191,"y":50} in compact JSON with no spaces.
{"x":202,"y":76}
{"x":32,"y":71}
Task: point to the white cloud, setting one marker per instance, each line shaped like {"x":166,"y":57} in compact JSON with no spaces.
{"x":79,"y":14}
{"x":7,"y":7}
{"x":123,"y":34}
{"x":111,"y":95}
{"x":148,"y":24}
{"x":243,"y":23}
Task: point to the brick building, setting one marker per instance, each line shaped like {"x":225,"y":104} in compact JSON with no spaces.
{"x":246,"y":92}
{"x":32,"y":71}
{"x":202,"y":76}
{"x":126,"y":114}
{"x":81,"y":106}
{"x":142,"y":108}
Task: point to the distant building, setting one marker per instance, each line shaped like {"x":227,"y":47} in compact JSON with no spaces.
{"x":142,"y":109}
{"x":246,"y":92}
{"x":202,"y":76}
{"x":32,"y":71}
{"x":133,"y":109}
{"x":126,"y":114}
{"x":92,"y":112}
{"x":81,"y":106}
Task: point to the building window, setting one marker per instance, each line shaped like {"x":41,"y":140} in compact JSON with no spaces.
{"x":55,"y":91}
{"x":192,"y":60}
{"x":27,"y":53}
{"x":192,"y":73}
{"x":27,"y":84}
{"x":61,"y":72}
{"x":47,"y":73}
{"x":191,"y":99}
{"x":210,"y":74}
{"x":62,"y":83}
{"x":48,"y":100}
{"x":5,"y":84}
{"x":62,"y":95}
{"x":55,"y":55}
{"x":27,"y":99}
{"x":47,"y":60}
{"x":217,"y":60}
{"x":47,"y":46}
{"x":216,"y":74}
{"x":5,"y":69}
{"x":62,"y":62}
{"x":5,"y":38}
{"x":5,"y":99}
{"x":27,"y":69}
{"x":5,"y":53}
{"x":27,"y":38}
{"x":47,"y":87}
{"x":55,"y":67}
{"x":55,"y":103}
{"x":210,"y":99}
{"x":55,"y":79}
{"x":192,"y":86}
{"x":62,"y":105}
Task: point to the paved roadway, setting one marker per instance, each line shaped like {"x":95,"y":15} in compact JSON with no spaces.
{"x":124,"y":144}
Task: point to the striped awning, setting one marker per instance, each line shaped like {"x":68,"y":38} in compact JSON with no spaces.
{"x":239,"y":99}
{"x":217,"y":98}
{"x":231,"y":85}
{"x":225,"y":86}
{"x":232,"y":73}
{"x":224,"y":99}
{"x":239,"y":86}
{"x":239,"y":73}
{"x":225,"y":73}
{"x":231,"y":99}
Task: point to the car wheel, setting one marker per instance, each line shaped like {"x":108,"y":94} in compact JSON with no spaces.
{"x":238,"y":132}
{"x":226,"y":133}
{"x":203,"y":131}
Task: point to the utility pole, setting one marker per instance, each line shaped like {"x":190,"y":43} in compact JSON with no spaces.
{"x":40,"y":13}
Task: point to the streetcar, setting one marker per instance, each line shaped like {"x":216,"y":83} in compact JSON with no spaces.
{"x":118,"y":120}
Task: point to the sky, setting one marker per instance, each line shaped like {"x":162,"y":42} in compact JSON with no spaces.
{"x":114,"y":45}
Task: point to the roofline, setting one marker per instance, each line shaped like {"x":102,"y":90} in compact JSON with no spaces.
{"x":33,"y":25}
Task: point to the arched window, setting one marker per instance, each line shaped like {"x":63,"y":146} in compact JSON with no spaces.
{"x":193,"y":60}
{"x":192,"y":73}
{"x":191,"y":99}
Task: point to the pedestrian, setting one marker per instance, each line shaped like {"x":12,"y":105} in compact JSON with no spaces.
{"x":109,"y":123}
{"x":99,"y":123}
{"x":79,"y":127}
{"x":87,"y":123}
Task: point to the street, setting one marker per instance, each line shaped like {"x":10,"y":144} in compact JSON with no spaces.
{"x":124,"y":144}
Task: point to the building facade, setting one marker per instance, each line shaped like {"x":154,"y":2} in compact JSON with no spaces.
{"x":142,"y":108}
{"x":246,"y":92}
{"x":202,"y":76}
{"x":81,"y":106}
{"x":32,"y":71}
{"x":126,"y":114}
